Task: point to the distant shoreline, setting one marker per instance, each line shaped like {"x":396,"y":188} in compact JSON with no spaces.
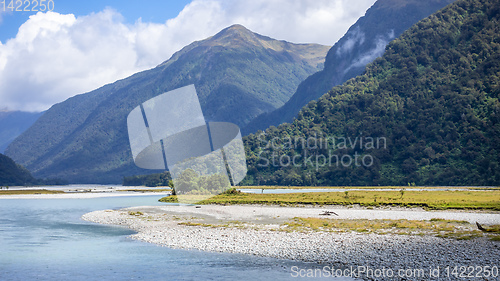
{"x":81,"y":191}
{"x":78,"y":195}
{"x":255,"y":230}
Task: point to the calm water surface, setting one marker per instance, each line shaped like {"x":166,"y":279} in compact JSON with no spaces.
{"x":45,"y":239}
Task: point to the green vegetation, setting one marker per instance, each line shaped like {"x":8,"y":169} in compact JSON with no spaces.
{"x":13,"y":174}
{"x":444,"y":220}
{"x":228,"y":224}
{"x":153,"y":180}
{"x":190,"y":183}
{"x":349,"y":56}
{"x":232,"y":191}
{"x":366,"y":187}
{"x":435,"y":200}
{"x":493,"y":229}
{"x":433,"y":98}
{"x":30,"y":191}
{"x":16,"y":175}
{"x":232,"y":224}
{"x":460,"y":230}
{"x":196,"y":197}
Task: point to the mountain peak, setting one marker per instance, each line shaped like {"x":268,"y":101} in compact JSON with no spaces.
{"x":236,"y":27}
{"x":237,"y":36}
{"x":235,"y":32}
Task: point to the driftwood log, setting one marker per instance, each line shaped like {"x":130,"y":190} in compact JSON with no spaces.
{"x":328,"y":213}
{"x":480,"y":227}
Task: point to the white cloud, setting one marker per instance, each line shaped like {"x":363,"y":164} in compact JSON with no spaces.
{"x":375,"y":52}
{"x":353,"y":37}
{"x":56,"y":56}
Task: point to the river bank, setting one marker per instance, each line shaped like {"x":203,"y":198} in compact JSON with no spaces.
{"x":80,"y":191}
{"x":264,"y":231}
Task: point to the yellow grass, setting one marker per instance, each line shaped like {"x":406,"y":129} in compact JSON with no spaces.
{"x":461,"y":199}
{"x":460,"y":230}
{"x":29,"y":191}
{"x":366,"y":187}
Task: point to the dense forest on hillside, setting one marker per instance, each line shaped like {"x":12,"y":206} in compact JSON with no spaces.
{"x":13,"y":174}
{"x":432,"y":100}
{"x":152,"y":180}
{"x":364,"y":42}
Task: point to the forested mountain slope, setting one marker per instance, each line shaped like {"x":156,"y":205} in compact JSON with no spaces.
{"x":430,"y":106}
{"x":363,"y":42}
{"x":13,"y":174}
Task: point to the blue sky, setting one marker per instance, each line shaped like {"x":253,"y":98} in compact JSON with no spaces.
{"x":47,"y":57}
{"x":149,"y":10}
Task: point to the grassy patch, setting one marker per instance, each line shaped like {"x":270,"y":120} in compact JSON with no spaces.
{"x":493,"y":229}
{"x":458,"y":230}
{"x":30,"y":191}
{"x":451,"y":229}
{"x":169,"y":199}
{"x":435,"y":200}
{"x":135,"y":213}
{"x":185,"y":198}
{"x":365,"y":187}
{"x":461,"y":235}
{"x":495,"y":238}
{"x":450,"y":221}
{"x":190,"y":223}
{"x":234,"y":224}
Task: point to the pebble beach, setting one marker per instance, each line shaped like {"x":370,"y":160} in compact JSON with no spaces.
{"x":257,"y":233}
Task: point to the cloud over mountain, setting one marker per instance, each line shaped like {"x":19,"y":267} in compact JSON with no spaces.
{"x":55,"y":56}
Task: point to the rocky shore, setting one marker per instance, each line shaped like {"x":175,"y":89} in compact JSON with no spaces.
{"x":257,"y":232}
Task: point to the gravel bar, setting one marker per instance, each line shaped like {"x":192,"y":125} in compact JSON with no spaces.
{"x":345,"y":250}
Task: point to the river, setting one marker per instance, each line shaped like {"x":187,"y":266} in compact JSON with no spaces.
{"x":45,"y":239}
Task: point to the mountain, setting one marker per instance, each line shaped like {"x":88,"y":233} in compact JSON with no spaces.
{"x":13,"y":123}
{"x":13,"y":174}
{"x":363,"y":42}
{"x":427,"y":113}
{"x":238,"y":74}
